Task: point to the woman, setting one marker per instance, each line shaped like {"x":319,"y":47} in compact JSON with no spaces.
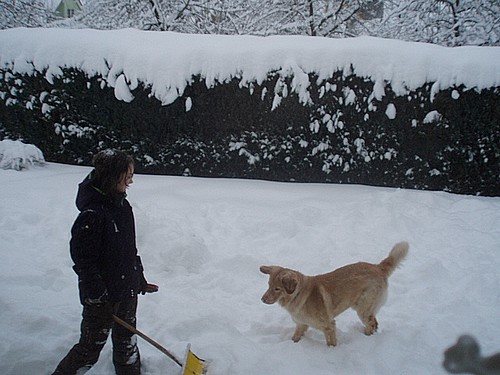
{"x":110,"y":273}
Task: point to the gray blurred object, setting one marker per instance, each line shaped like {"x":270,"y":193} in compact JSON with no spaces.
{"x":464,"y":358}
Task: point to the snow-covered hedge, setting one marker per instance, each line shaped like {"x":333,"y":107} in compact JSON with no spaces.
{"x":17,"y":155}
{"x":360,"y":110}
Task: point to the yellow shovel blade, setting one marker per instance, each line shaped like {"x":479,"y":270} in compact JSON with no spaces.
{"x":193,"y":365}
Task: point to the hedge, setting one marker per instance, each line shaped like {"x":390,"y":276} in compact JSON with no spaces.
{"x":447,"y":141}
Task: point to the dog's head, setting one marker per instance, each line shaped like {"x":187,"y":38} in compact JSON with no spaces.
{"x":282,"y":283}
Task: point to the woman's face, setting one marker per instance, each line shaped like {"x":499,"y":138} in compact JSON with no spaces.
{"x":125,"y":180}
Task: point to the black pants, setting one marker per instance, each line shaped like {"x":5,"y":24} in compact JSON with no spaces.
{"x":96,"y":324}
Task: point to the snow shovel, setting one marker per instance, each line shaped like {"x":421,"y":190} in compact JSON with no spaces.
{"x":193,"y":365}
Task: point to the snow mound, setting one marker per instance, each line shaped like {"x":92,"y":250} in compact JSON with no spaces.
{"x":18,"y":155}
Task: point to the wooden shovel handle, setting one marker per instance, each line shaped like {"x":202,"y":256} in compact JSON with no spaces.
{"x":147,"y":338}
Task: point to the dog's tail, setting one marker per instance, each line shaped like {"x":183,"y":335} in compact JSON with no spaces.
{"x":396,"y":256}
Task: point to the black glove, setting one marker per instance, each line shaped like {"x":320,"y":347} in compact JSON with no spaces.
{"x":145,"y":287}
{"x":99,"y":301}
{"x":93,"y":291}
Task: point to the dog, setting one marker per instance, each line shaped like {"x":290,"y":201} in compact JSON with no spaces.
{"x":316,"y":300}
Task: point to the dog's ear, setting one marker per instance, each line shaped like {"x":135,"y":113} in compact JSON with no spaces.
{"x":266,"y":269}
{"x":290,"y":282}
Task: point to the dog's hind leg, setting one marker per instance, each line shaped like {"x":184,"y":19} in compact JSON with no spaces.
{"x":299,"y":332}
{"x":368,"y":305}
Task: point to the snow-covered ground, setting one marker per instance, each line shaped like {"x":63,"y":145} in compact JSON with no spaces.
{"x":203,"y":240}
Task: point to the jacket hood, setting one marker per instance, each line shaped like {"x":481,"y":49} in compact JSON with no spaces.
{"x":89,"y":194}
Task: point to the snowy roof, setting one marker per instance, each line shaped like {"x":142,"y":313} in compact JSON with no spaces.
{"x":167,"y":61}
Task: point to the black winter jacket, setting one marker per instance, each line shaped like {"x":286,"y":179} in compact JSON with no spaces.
{"x":103,"y":246}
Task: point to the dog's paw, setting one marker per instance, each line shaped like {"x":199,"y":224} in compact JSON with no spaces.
{"x":331,"y":339}
{"x":332,"y":343}
{"x":300,"y":330}
{"x":297,"y":336}
{"x":372,"y":326}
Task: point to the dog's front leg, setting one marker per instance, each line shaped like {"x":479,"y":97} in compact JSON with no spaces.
{"x":299,"y":332}
{"x":330,"y":335}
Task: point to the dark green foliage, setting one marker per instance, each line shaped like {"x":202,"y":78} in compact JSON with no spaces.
{"x":342,"y":134}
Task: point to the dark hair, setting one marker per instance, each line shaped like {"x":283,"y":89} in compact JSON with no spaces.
{"x":110,"y":165}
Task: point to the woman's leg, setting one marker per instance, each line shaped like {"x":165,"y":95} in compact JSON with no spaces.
{"x":95,"y":327}
{"x":126,"y":356}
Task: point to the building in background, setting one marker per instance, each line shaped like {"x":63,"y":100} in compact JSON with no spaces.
{"x":67,"y":8}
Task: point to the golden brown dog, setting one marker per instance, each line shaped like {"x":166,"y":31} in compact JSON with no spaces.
{"x":316,"y":300}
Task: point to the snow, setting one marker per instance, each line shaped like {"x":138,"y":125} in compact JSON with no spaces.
{"x":432,"y":116}
{"x":390,"y":111}
{"x":203,"y":240}
{"x":122,"y":90}
{"x":17,"y":155}
{"x":167,"y":62}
